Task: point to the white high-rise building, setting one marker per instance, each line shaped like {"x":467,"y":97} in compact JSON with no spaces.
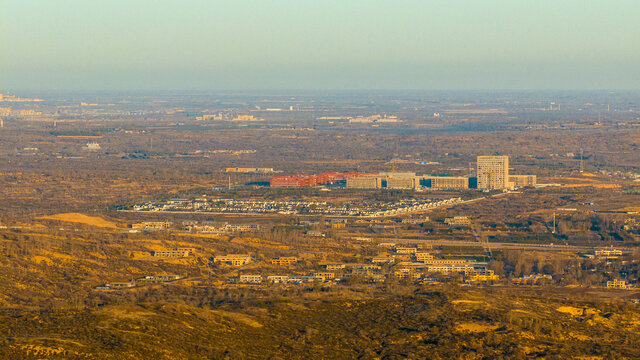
{"x":493,"y":172}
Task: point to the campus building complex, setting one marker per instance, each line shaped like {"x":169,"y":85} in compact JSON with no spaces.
{"x":492,"y":174}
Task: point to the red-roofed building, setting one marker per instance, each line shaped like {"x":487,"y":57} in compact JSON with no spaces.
{"x":297,"y":180}
{"x":332,"y":177}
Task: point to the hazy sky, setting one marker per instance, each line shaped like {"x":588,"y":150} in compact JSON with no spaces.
{"x":319,"y":44}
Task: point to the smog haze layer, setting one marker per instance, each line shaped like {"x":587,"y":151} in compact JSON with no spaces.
{"x":288,"y":44}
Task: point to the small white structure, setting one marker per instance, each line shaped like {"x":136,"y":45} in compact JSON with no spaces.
{"x":93,"y":146}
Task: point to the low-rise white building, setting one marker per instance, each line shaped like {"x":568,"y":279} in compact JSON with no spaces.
{"x":233,"y":259}
{"x":251,"y":279}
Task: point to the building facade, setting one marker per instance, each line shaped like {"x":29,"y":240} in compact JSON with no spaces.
{"x":457,"y":221}
{"x":618,"y":284}
{"x":401,"y":181}
{"x":151,"y":225}
{"x":293,"y":181}
{"x":250,"y":279}
{"x":174,"y":253}
{"x":523,"y":180}
{"x":233,"y":259}
{"x":284,"y":260}
{"x":493,"y":172}
{"x":423,"y":256}
{"x":445,"y":182}
{"x":364,"y":182}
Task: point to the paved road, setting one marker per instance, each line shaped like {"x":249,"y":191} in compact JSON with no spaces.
{"x":492,"y":245}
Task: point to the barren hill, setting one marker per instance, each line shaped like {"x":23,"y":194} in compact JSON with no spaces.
{"x":82,"y":218}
